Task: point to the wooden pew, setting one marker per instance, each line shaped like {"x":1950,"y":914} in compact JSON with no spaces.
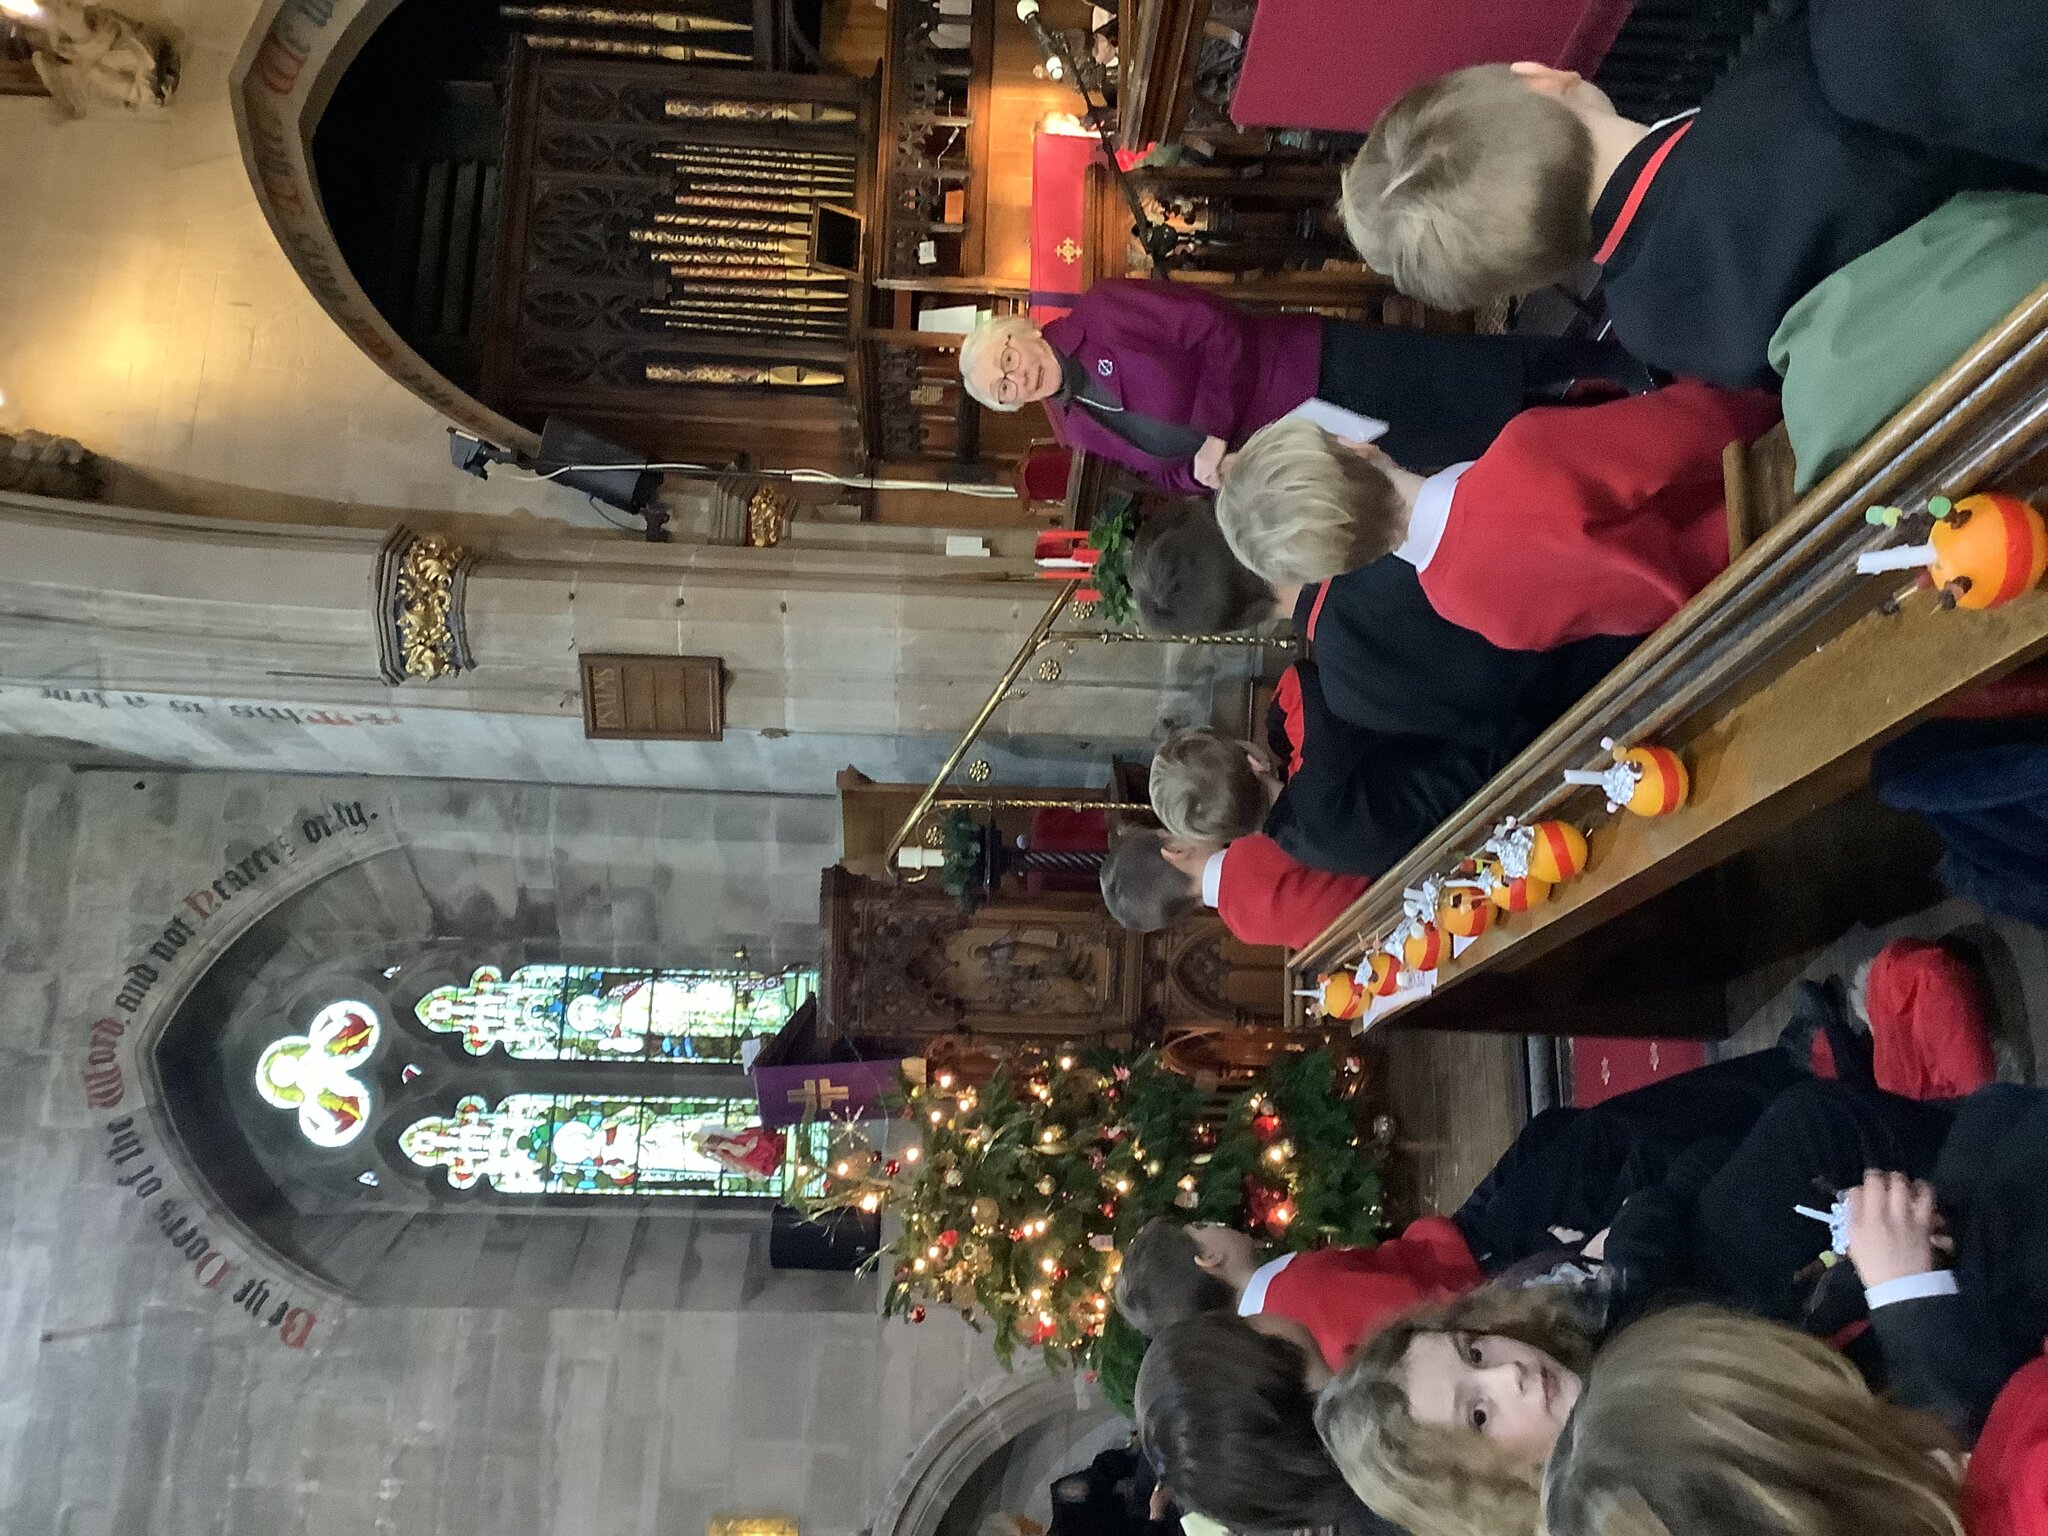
{"x":1776,"y":683}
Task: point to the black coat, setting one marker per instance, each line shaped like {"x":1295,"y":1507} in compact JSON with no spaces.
{"x":1720,"y":1227}
{"x":1950,"y":1355}
{"x":1390,"y":662}
{"x":1361,"y":798}
{"x":1961,"y":73}
{"x":1770,"y":189}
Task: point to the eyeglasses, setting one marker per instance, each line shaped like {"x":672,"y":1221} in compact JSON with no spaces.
{"x":1008,"y":389}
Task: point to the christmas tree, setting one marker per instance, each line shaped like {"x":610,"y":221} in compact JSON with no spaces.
{"x":1017,"y":1196}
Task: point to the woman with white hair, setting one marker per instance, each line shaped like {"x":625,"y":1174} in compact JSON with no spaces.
{"x":1165,"y":378}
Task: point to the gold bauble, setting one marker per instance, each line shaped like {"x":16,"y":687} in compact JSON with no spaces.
{"x":1046,"y":1186}
{"x":985,"y":1211}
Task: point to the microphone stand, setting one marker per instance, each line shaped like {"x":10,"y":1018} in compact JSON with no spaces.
{"x":1161,"y":242}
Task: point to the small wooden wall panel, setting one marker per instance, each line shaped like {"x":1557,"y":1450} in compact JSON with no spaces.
{"x":653,"y":698}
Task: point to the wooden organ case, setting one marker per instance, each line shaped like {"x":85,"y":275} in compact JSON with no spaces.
{"x":658,"y":280}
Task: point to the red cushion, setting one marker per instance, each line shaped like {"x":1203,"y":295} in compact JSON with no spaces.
{"x":1928,"y":1032}
{"x":1603,"y":1068}
{"x":1337,"y":64}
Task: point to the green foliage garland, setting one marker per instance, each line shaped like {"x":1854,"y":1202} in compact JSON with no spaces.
{"x":1111,"y":533}
{"x":960,"y":874}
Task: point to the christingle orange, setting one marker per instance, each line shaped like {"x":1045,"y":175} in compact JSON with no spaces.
{"x":1557,"y":851}
{"x":1649,"y":781}
{"x":1982,"y":551}
{"x":1518,"y":894}
{"x":1464,"y":910}
{"x":1339,"y":995}
{"x":1381,"y":974}
{"x":1423,"y":947}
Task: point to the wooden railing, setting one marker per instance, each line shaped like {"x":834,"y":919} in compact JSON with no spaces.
{"x":1776,"y":681}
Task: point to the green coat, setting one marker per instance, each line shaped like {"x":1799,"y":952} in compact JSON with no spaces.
{"x":1876,"y":333}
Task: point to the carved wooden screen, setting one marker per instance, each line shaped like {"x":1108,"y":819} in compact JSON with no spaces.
{"x":901,"y":964}
{"x":654,"y":281}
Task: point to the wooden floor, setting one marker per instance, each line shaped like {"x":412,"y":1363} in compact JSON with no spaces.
{"x":1457,"y":1100}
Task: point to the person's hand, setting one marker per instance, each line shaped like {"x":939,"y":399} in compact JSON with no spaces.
{"x":1209,"y":461}
{"x":1162,"y":1501}
{"x":1893,"y":1227}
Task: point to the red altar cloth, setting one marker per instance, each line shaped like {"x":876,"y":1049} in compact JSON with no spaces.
{"x":1059,"y":217}
{"x":1336,"y":64}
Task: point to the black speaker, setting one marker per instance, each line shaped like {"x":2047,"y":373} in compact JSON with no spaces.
{"x":628,"y":488}
{"x":840,"y":1240}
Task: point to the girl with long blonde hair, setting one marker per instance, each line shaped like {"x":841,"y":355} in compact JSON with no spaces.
{"x":1703,"y":1422}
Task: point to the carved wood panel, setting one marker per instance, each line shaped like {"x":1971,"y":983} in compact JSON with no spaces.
{"x":902,"y":963}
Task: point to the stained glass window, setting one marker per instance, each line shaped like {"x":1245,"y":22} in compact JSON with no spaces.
{"x":583,"y":1013}
{"x":566,"y":1144}
{"x":548,"y":1141}
{"x":314,"y":1073}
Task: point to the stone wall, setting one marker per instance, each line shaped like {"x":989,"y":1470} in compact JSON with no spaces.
{"x":133,"y":1400}
{"x":147,"y":310}
{"x":254,"y":645}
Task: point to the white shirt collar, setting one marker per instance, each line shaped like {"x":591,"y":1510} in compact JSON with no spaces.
{"x":1431,"y":516}
{"x":1253,"y":1301}
{"x":1673,"y":118}
{"x":1212,"y":878}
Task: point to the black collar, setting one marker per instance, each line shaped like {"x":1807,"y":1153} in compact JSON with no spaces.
{"x":1620,"y":204}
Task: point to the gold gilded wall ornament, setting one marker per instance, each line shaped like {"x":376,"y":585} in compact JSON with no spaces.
{"x":768,"y":511}
{"x":780,"y":376}
{"x":418,"y":585}
{"x":689,"y":111}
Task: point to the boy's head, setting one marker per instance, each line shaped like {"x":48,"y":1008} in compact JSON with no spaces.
{"x":1208,"y":787}
{"x":1186,"y":581}
{"x":1299,"y":505}
{"x":1151,"y":880}
{"x":1226,"y":1416}
{"x":1173,"y":1270}
{"x":1476,"y":186}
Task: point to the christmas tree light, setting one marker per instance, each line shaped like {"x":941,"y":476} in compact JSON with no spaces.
{"x":1016,"y":1198}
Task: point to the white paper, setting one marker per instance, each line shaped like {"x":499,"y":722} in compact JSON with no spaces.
{"x":951,"y":318}
{"x":966,"y":545}
{"x":1418,"y":987}
{"x":1338,"y":422}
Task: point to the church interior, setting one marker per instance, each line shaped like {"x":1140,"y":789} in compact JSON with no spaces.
{"x":764,"y":771}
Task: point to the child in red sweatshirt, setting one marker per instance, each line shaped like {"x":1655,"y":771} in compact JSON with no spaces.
{"x":1558,"y":1186}
{"x":1151,"y":880}
{"x":1600,"y":520}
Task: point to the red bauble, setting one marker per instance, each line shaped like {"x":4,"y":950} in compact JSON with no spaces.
{"x":949,"y":1238}
{"x":1266,"y":1126}
{"x":1261,"y":1201}
{"x":917,"y":1313}
{"x":892,"y":1168}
